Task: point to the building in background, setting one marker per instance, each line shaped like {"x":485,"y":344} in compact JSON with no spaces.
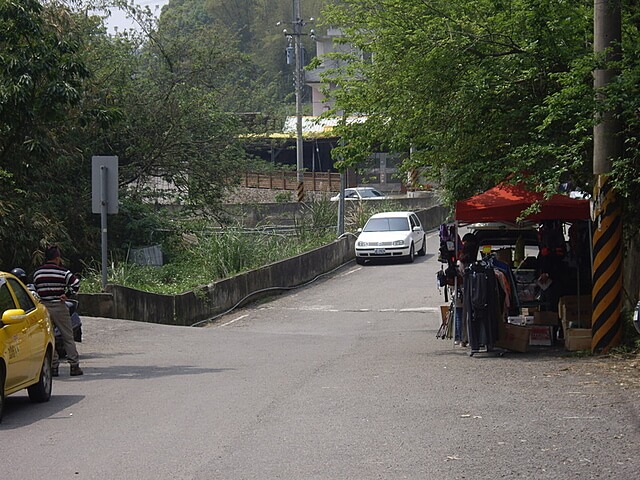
{"x":318,"y":136}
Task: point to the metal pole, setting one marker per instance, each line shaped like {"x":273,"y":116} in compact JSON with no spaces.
{"x":297,"y":29}
{"x":104,"y":172}
{"x":343,"y":182}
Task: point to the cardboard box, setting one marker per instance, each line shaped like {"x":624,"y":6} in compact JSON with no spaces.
{"x":546,"y":318}
{"x":575,"y":309}
{"x":444,"y":313}
{"x":513,"y":337}
{"x":576,"y":339}
{"x":574,"y":300}
{"x":530,"y":310}
{"x":541,"y":335}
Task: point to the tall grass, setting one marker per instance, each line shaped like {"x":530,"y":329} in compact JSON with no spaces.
{"x":197,"y":254}
{"x":200,"y":255}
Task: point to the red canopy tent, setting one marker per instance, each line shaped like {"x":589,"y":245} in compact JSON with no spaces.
{"x":505,"y":203}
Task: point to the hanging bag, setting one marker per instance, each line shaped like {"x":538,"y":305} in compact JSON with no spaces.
{"x":441,"y":282}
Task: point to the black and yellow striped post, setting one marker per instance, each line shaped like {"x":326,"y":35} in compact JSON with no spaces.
{"x":606,"y":326}
{"x":300,"y":191}
{"x":606,"y":296}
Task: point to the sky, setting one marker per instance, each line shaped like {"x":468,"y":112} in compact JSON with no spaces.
{"x":119,"y":19}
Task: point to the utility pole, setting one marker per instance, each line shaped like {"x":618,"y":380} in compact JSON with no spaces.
{"x":296,"y":37}
{"x":297,"y":29}
{"x":341,"y":201}
{"x":606,"y":326}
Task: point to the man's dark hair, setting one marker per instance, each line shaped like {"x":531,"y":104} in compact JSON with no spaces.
{"x":52,"y":252}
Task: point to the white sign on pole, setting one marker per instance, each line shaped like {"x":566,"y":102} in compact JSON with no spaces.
{"x":104,"y":199}
{"x":101,"y":167}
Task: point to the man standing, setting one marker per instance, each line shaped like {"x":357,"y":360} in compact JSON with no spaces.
{"x":52,"y":281}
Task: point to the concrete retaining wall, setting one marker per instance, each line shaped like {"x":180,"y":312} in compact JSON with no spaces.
{"x":215,"y":298}
{"x":433,"y":217}
{"x":218,"y":297}
{"x":251,"y":215}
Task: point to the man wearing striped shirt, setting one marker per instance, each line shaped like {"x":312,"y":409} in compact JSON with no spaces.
{"x":52,"y":281}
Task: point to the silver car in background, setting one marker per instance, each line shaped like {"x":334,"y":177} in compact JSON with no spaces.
{"x":360,"y":193}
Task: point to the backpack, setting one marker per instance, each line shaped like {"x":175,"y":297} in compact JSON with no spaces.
{"x":446,"y":252}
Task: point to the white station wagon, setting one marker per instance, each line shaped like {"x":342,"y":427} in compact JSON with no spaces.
{"x":390,"y":235}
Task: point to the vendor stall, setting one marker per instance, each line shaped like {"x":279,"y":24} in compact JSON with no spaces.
{"x":560,"y":270}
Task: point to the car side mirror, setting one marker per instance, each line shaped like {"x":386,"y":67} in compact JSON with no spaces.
{"x":359,"y":230}
{"x":13,"y":316}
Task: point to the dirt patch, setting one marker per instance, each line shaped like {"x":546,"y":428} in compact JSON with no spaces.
{"x":623,"y":370}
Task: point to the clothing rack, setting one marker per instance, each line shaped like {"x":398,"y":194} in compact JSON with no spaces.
{"x":481,"y":306}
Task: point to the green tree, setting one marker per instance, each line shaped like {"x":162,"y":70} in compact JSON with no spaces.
{"x":572,"y":109}
{"x":460,"y":81}
{"x":42,"y":73}
{"x":69,"y":91}
{"x":248,"y":30}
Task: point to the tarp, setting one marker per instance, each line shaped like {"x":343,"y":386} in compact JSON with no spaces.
{"x":505,"y":203}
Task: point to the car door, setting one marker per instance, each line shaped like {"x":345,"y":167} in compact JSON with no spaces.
{"x":416,"y":233}
{"x":36,"y":333}
{"x":15,"y":348}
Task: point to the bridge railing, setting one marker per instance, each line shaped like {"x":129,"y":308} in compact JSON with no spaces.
{"x":313,"y":181}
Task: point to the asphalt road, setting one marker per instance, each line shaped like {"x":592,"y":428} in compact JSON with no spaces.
{"x":342,"y":379}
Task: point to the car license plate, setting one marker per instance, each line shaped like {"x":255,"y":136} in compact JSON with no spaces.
{"x":379,"y":251}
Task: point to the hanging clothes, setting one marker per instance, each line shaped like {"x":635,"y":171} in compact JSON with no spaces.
{"x":481,"y":305}
{"x":513,"y":307}
{"x":505,"y":292}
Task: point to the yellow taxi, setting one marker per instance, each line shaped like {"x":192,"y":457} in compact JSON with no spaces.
{"x":26,"y":342}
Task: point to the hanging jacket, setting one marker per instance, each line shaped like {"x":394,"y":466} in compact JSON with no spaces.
{"x":481,"y":305}
{"x":478,"y":287}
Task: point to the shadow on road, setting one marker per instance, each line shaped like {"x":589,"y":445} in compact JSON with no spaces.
{"x":19,"y":411}
{"x":397,"y":261}
{"x":137,"y":372}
